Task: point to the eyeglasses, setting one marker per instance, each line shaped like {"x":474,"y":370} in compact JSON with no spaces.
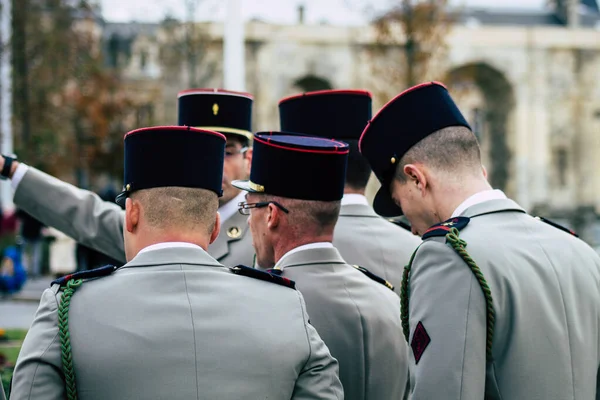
{"x":244,"y":208}
{"x":235,"y":152}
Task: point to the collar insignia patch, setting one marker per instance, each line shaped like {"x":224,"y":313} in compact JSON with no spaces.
{"x":443,"y":228}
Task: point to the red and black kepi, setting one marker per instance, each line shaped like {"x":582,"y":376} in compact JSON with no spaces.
{"x":399,"y":125}
{"x":297,"y":167}
{"x":216,"y":110}
{"x":166,"y":156}
{"x":337,"y":114}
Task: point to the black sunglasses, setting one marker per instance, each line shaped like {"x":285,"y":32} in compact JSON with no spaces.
{"x":244,"y":208}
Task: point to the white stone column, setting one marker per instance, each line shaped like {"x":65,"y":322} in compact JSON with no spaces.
{"x":6,"y":146}
{"x":522,"y":152}
{"x":538,"y":129}
{"x":234,"y":56}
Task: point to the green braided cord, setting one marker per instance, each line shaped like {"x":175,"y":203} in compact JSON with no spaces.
{"x":404,"y":296}
{"x":65,"y":337}
{"x":459,"y":246}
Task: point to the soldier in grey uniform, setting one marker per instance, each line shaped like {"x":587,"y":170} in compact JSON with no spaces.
{"x":97,"y":224}
{"x":362,"y":237}
{"x":173,"y":323}
{"x":496,"y":304}
{"x":293,"y":209}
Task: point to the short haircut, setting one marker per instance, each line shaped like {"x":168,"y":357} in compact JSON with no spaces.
{"x":183,"y":208}
{"x":358,"y":171}
{"x":451,"y":150}
{"x":309,"y":216}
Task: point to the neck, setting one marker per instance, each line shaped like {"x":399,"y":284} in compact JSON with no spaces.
{"x":149,"y":238}
{"x":287,"y":244}
{"x":455,"y":195}
{"x":352,"y":190}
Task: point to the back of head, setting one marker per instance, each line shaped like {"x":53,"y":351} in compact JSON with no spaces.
{"x":358,"y":170}
{"x":308,"y":217}
{"x":173,"y":176}
{"x":338,"y":114}
{"x":187,"y":210}
{"x":296,"y":205}
{"x":451,"y":153}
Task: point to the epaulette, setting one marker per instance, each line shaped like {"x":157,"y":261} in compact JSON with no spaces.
{"x":554,"y":224}
{"x":443,"y":228}
{"x":92,"y":273}
{"x":376,"y":278}
{"x":263,"y":276}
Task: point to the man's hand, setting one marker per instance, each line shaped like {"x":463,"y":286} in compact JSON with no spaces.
{"x":13,"y":167}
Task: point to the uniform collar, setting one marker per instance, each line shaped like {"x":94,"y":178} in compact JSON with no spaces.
{"x":478,"y":198}
{"x":289,"y":258}
{"x":229,"y":209}
{"x":167,"y":245}
{"x":492,"y":206}
{"x":357,"y":210}
{"x":172,"y":253}
{"x":353,"y":198}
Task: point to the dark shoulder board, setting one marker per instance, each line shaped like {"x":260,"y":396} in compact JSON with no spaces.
{"x":442,"y":229}
{"x":263,"y":276}
{"x":557,"y":226}
{"x":401,"y":224}
{"x":93,"y":273}
{"x":376,"y":278}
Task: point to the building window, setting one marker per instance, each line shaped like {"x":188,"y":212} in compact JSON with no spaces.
{"x":312,"y":83}
{"x":561,"y":166}
{"x":113,"y":51}
{"x":478,"y":123}
{"x":143,"y":60}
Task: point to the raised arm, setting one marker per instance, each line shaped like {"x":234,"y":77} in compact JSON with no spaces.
{"x":78,"y":213}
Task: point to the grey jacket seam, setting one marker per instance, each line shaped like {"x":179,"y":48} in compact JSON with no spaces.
{"x":187,"y":294}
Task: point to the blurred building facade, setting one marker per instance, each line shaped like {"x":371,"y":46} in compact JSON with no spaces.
{"x":528,"y":81}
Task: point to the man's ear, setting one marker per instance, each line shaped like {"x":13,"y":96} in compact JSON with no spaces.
{"x":416,"y":176}
{"x":273,"y":216}
{"x":132,"y":215}
{"x":216,"y":229}
{"x":248,"y":158}
{"x":484,"y":170}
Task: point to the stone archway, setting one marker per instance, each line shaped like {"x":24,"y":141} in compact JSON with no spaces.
{"x":311,"y":83}
{"x":486,"y":97}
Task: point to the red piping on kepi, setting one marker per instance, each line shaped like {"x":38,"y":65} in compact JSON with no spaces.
{"x":333,"y":142}
{"x":328,"y":91}
{"x":174,"y":128}
{"x":214,"y":91}
{"x":391,"y":101}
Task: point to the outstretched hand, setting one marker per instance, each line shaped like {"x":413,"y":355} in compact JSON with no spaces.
{"x":13,"y":167}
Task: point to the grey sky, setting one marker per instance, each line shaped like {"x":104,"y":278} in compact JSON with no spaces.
{"x":341,"y":12}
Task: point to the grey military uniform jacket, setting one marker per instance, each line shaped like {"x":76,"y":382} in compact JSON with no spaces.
{"x":98,"y":224}
{"x":358,"y":319}
{"x":545,"y":286}
{"x":175,"y":324}
{"x":364,"y":238}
